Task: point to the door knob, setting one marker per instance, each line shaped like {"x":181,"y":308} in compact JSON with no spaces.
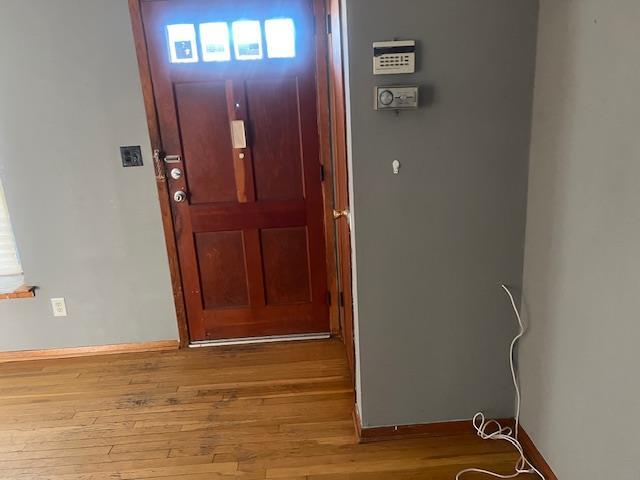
{"x":180,"y":196}
{"x":340,"y":213}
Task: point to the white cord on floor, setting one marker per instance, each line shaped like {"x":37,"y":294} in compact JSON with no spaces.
{"x":482,"y":425}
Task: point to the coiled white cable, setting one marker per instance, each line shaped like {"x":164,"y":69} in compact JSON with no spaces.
{"x":482,"y":425}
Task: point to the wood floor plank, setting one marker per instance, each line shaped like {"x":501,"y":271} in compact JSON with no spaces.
{"x":252,"y":412}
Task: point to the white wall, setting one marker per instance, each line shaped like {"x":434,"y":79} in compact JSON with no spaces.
{"x":582,"y":268}
{"x":88,"y":229}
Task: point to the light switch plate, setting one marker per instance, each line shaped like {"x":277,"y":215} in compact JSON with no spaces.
{"x":131,"y":156}
{"x":59,"y":307}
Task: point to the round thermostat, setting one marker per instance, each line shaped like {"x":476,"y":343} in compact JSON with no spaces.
{"x":386,"y":97}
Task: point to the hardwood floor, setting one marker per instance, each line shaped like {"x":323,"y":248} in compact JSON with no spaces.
{"x":271,"y":411}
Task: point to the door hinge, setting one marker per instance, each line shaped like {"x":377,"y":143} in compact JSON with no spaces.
{"x":329,"y":24}
{"x":322,"y":173}
{"x":329,"y":298}
{"x":341,"y":299}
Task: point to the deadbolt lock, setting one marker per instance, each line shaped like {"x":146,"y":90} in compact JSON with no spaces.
{"x":176,"y":173}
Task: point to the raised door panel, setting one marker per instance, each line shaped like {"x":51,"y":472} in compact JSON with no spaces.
{"x":222,"y":267}
{"x":206,"y":142}
{"x":285,"y":257}
{"x":273,"y":107}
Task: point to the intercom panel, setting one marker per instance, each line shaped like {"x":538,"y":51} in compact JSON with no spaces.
{"x":394,"y":57}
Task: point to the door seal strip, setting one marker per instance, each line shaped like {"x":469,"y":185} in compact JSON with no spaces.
{"x":251,"y":340}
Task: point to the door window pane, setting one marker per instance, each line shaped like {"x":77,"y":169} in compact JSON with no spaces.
{"x":281,"y":38}
{"x":182,"y":43}
{"x":214,"y":38}
{"x":247,"y":39}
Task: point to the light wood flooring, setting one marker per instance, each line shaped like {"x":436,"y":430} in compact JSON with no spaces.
{"x":272,"y":411}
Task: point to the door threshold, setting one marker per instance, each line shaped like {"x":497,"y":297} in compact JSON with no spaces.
{"x":250,"y":340}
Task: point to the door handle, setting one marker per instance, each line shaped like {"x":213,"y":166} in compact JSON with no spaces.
{"x":340,"y":213}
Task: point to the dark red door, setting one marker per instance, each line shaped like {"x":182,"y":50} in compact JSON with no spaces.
{"x":235,"y":89}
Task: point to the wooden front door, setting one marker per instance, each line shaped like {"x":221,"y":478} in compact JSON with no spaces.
{"x":235,"y":90}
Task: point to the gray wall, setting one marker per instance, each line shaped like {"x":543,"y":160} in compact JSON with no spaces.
{"x":580,"y":359}
{"x":432,"y":243}
{"x":87,"y":229}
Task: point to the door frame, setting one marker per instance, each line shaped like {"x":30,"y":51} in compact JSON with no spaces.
{"x":342,"y":201}
{"x":328,"y":97}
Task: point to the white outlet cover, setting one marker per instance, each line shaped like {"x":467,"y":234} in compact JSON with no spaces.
{"x":59,"y":307}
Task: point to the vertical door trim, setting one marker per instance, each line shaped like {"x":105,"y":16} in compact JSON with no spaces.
{"x":324,"y":74}
{"x":341,"y":175}
{"x":137,"y":25}
{"x":326,"y":157}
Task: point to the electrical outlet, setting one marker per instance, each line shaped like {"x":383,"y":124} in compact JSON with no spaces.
{"x":59,"y":307}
